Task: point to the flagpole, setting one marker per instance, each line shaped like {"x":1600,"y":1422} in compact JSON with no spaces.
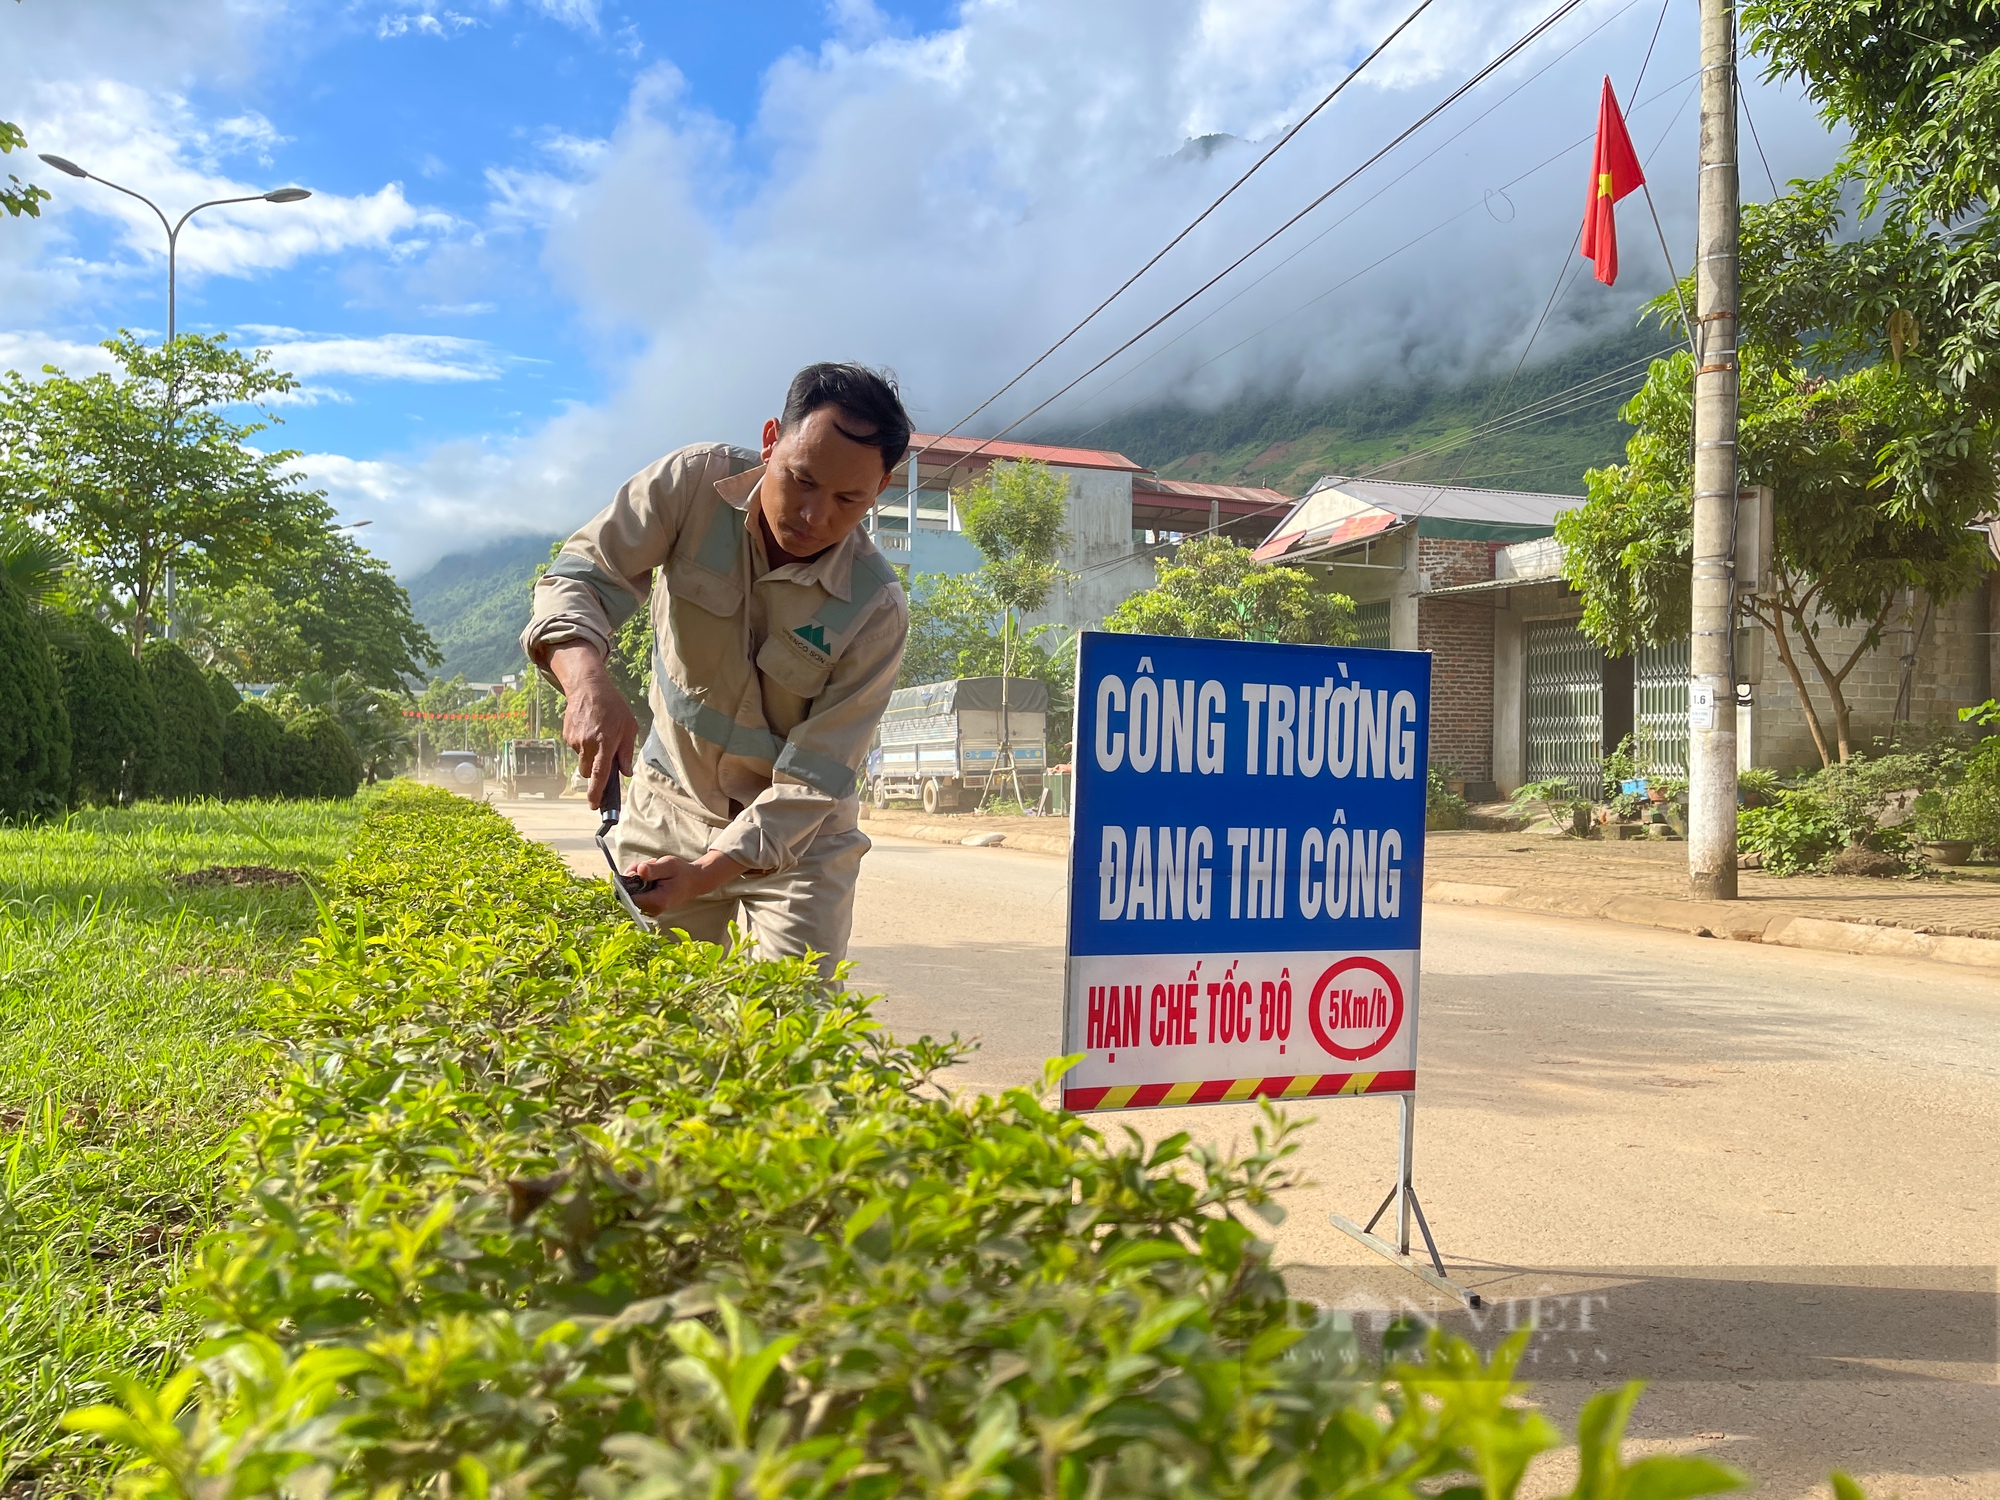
{"x":1687,"y":327}
{"x":1712,"y":672}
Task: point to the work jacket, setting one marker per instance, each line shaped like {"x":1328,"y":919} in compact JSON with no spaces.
{"x":767,"y":682}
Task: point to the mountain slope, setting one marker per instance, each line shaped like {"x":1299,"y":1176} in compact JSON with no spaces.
{"x":1288,"y":444}
{"x":476,"y":605}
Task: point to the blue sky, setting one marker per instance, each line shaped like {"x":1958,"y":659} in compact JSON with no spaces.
{"x":551,"y":239}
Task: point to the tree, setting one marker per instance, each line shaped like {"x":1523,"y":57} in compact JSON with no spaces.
{"x":113,"y":718}
{"x":34,"y":726}
{"x":371,"y":719}
{"x":316,"y":761}
{"x":1876,"y":477}
{"x":1215,"y":587}
{"x":143,"y":472}
{"x":955,"y":631}
{"x":1015,"y":516}
{"x":1916,"y":84}
{"x":329,"y":607}
{"x":253,"y":749}
{"x":187,"y":758}
{"x":18,"y":197}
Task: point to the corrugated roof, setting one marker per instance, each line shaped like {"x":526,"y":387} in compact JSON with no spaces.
{"x":941,"y":450}
{"x":1189,"y":488}
{"x":1450,"y":503}
{"x":1357,"y":526}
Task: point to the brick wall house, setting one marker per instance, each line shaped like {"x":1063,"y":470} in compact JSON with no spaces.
{"x":1519,"y":693}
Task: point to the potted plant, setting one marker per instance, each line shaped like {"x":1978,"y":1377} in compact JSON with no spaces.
{"x":1948,"y":822}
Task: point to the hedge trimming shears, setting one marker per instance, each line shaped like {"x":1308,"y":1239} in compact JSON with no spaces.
{"x":625,"y":885}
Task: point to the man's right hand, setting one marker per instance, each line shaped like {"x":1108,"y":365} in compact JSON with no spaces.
{"x":597,"y":722}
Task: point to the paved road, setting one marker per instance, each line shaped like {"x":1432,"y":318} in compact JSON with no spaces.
{"x":1770,"y":1172}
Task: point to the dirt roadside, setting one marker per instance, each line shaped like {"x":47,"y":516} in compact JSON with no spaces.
{"x":1952,"y":917}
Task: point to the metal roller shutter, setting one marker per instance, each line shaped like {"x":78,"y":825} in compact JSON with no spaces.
{"x":1660,"y":706}
{"x":1565,"y":672}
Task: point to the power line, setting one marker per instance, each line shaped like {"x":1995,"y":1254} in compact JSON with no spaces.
{"x":1371,"y":198}
{"x":1353,"y":73}
{"x":1577,"y":267}
{"x":1505,"y":417}
{"x":1548,"y":408}
{"x":1533,"y":34}
{"x":1372,"y":265}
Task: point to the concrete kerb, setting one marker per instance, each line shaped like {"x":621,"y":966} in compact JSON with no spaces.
{"x":1721,"y":919}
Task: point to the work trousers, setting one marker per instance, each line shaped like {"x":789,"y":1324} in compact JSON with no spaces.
{"x":809,"y":907}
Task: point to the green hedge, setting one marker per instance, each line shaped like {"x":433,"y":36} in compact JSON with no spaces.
{"x":113,"y":719}
{"x":253,"y":751}
{"x":187,"y":758}
{"x":34,"y":725}
{"x":545,"y":1206}
{"x":316,"y":758}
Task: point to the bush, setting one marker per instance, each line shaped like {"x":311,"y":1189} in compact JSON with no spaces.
{"x":316,"y":759}
{"x":113,"y":720}
{"x":545,"y":1206}
{"x":223,"y":691}
{"x":1792,"y":835}
{"x":1443,"y":808}
{"x":253,"y":752}
{"x":34,"y":725}
{"x":186,"y":762}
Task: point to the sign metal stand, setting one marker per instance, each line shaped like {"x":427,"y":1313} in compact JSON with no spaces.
{"x":1404,"y":1196}
{"x":1246,"y":886}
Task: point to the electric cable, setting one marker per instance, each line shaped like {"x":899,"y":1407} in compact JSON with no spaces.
{"x":1743,"y":100}
{"x":1287,"y":503}
{"x":1533,"y":34}
{"x":1326,"y":292}
{"x":1353,"y":73}
{"x":1392,"y":183}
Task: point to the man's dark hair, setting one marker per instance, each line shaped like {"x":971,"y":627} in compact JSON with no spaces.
{"x":867,"y":395}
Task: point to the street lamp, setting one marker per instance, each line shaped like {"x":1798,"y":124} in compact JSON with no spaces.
{"x":276,"y":195}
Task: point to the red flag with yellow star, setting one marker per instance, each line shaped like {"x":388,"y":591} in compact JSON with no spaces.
{"x":1614,"y":172}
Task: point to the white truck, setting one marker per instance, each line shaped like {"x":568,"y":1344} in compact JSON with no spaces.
{"x":941,"y":742}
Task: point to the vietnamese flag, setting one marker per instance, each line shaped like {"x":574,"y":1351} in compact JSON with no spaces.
{"x":1614,"y":172}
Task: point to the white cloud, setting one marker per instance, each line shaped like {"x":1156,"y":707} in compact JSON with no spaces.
{"x":581,"y":14}
{"x":389,"y":356}
{"x":424,"y":22}
{"x":946,"y":204}
{"x":27,"y":352}
{"x":159,"y":145}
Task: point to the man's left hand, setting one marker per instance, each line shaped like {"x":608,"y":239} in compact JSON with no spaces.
{"x":680,"y":882}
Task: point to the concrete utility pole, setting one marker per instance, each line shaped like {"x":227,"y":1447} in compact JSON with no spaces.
{"x":1712,"y":668}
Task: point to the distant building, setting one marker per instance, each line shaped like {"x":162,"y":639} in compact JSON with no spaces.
{"x":1519,"y":693}
{"x":1121,"y":516}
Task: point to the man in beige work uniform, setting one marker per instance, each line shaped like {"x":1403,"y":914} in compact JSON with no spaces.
{"x":777,"y":632}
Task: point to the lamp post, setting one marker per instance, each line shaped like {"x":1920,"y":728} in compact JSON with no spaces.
{"x":276,"y":195}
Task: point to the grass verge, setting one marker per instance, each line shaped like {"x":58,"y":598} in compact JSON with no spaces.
{"x":126,"y":1058}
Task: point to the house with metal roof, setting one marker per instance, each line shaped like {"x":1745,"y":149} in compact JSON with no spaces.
{"x":1121,"y":516}
{"x":1519,"y":693}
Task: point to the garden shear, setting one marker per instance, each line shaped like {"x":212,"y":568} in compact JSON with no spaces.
{"x":625,"y":885}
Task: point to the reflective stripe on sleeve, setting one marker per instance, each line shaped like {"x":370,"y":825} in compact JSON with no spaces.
{"x":821,"y":772}
{"x":614,"y":594}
